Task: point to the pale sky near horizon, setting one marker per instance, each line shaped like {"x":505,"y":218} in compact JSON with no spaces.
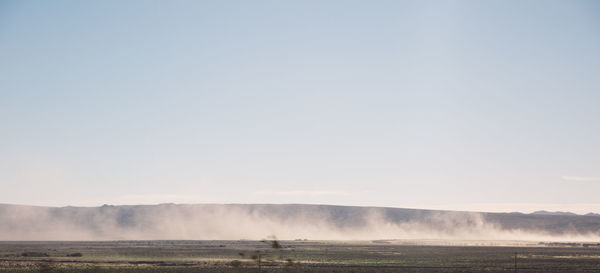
{"x":477,"y":105}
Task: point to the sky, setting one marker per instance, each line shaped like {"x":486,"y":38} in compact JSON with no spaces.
{"x":470,"y":105}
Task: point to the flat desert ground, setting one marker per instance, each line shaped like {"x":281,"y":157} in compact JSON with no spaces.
{"x":298,"y":256}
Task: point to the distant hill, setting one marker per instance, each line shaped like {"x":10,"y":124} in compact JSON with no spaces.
{"x":592,"y":214}
{"x":543,"y":212}
{"x":291,"y":221}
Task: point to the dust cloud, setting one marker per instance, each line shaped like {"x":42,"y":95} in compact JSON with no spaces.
{"x":287,"y":222}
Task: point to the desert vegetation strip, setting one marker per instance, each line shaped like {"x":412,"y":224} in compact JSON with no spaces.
{"x":289,"y":256}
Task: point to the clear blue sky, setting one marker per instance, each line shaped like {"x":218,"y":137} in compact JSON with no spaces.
{"x":441,"y":104}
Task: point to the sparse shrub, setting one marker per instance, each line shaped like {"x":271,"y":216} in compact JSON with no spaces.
{"x":76,"y":254}
{"x":34,"y":254}
{"x":236,"y":263}
{"x":290,"y":262}
{"x":46,"y":267}
{"x":275,"y":244}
